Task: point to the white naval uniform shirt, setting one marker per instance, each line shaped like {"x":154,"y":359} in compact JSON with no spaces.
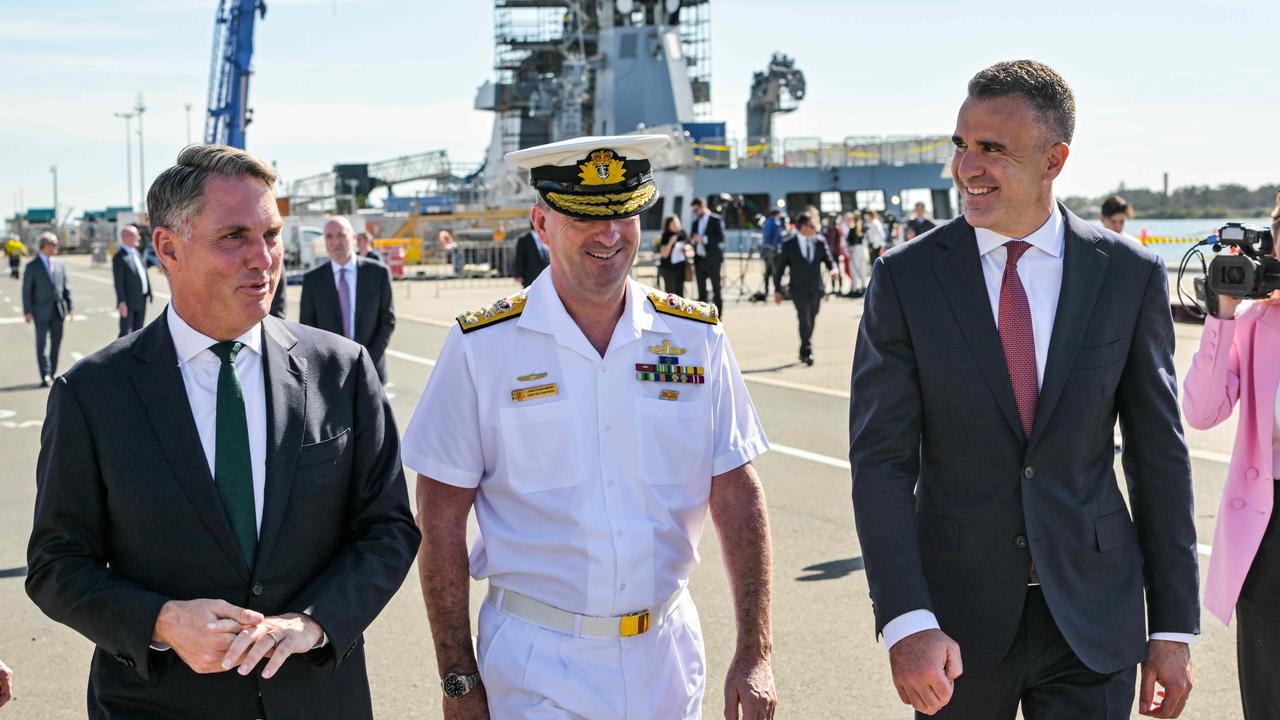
{"x":1040,"y":269}
{"x":592,"y":500}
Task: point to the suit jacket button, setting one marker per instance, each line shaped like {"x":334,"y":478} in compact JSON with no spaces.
{"x":1020,"y":541}
{"x":1252,"y":474}
{"x":1028,"y":472}
{"x":257,"y":588}
{"x":1237,"y":503}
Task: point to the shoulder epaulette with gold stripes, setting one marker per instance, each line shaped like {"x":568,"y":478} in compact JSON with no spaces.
{"x":672,"y":304}
{"x":504,"y":309}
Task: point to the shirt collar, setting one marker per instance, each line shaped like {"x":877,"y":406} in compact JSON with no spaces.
{"x":544,"y":311}
{"x":189,"y":342}
{"x":1048,"y":238}
{"x":351,"y":264}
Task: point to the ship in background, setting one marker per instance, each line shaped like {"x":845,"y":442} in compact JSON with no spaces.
{"x":566,"y":68}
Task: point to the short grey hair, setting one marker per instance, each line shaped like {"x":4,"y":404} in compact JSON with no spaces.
{"x":47,"y":238}
{"x":1039,"y":85}
{"x":176,"y":195}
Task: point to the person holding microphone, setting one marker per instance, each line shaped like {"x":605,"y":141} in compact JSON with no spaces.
{"x":1239,"y":362}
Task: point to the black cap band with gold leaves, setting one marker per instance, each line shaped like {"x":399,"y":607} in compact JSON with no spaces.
{"x":594,"y":178}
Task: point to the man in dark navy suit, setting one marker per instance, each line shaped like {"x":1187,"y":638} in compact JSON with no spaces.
{"x":994,"y":356}
{"x":133,"y":286}
{"x":46,"y":303}
{"x":805,"y":253}
{"x":220,"y":505}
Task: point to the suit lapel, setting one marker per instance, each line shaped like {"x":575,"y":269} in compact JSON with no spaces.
{"x":158,"y":382}
{"x":1084,"y":267}
{"x":959,"y":273}
{"x":334,"y":302}
{"x":286,"y":382}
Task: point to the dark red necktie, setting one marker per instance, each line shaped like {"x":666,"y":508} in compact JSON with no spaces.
{"x":1017,"y":337}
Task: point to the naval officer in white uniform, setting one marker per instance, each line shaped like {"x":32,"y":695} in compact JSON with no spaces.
{"x":591,"y":421}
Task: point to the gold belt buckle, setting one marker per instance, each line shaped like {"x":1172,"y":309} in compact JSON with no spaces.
{"x":636,"y":624}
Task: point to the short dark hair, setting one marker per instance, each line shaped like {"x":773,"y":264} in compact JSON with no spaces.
{"x":775,"y":212}
{"x":696,"y":202}
{"x":1116,"y":204}
{"x":1040,"y":85}
{"x":803,"y":219}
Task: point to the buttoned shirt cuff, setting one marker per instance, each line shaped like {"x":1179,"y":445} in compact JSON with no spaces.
{"x":908,"y":624}
{"x":161,"y":647}
{"x":1187,"y":638}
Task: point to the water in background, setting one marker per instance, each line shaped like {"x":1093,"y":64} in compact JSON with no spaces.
{"x":1196,"y":229}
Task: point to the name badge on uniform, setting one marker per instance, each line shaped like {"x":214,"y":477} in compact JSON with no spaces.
{"x":534,"y":393}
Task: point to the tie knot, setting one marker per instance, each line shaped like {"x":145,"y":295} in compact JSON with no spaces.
{"x":226,"y":351}
{"x":1016,"y":248}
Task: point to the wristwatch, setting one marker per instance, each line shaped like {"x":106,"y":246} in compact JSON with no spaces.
{"x":456,"y":684}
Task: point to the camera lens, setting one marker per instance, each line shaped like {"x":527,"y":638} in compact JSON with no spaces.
{"x":1234,"y":275}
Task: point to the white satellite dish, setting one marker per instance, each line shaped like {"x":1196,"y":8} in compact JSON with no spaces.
{"x":626,"y":6}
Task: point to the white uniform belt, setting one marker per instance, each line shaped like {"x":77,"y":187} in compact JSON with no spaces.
{"x":553,"y":618}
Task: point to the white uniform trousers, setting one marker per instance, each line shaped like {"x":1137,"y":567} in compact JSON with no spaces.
{"x":532,"y":673}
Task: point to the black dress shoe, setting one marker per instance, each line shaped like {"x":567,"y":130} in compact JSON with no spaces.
{"x":45,"y":381}
{"x":807,"y":360}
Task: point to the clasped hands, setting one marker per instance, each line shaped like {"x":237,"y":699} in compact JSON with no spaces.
{"x":215,"y":636}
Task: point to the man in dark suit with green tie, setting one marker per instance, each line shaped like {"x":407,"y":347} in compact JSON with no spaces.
{"x":46,"y":302}
{"x":220,"y":506}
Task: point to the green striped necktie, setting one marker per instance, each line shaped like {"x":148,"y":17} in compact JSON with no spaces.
{"x":232,"y":468}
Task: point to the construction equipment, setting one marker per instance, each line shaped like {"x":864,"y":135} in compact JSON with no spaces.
{"x":775,"y":91}
{"x":229,"y":70}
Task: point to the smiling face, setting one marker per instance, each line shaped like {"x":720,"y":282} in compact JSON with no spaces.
{"x":224,"y":275}
{"x":1005,"y":165}
{"x":590,"y":259}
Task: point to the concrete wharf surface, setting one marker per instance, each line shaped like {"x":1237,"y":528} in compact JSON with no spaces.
{"x":827,"y":662}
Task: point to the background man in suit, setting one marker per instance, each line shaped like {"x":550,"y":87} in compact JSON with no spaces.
{"x":279,"y":300}
{"x":350,"y":295}
{"x":364,"y":245}
{"x":708,"y":242}
{"x":530,"y":259}
{"x":221,"y":486}
{"x":133,"y":286}
{"x":46,"y":302}
{"x":805,"y":253}
{"x":992,"y":360}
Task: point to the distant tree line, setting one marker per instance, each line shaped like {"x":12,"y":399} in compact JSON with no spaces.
{"x":1192,"y":201}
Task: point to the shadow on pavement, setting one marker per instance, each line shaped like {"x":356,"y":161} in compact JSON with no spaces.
{"x":832,"y":570}
{"x":18,"y":388}
{"x":13,"y":572}
{"x":771,"y":369}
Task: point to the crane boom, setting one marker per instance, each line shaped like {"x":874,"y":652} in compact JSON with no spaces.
{"x":229,"y":71}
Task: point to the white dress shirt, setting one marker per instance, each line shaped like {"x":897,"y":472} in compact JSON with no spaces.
{"x":873,"y":233}
{"x":200,"y":369}
{"x":1040,"y":269}
{"x":351,"y":289}
{"x":136,"y":258}
{"x":592,"y":494}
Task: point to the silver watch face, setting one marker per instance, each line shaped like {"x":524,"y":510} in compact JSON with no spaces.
{"x":456,"y":685}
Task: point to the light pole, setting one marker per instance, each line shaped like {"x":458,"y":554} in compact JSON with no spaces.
{"x":188,"y":106}
{"x":128,"y":153}
{"x":142,"y":166}
{"x":54,"y":170}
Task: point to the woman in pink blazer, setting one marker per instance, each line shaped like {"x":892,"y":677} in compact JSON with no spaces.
{"x":1239,"y":362}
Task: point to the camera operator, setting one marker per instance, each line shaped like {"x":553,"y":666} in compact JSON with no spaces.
{"x":1239,"y":361}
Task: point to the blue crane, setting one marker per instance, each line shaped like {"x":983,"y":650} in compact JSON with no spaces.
{"x":229,"y":72}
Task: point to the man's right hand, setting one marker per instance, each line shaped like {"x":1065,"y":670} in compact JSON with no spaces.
{"x":27,"y":318}
{"x":472,"y":706}
{"x":201,"y":631}
{"x":124,"y":310}
{"x":777,"y":298}
{"x":925,"y":666}
{"x":6,"y":684}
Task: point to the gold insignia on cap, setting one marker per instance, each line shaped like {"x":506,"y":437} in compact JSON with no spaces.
{"x":601,"y":168}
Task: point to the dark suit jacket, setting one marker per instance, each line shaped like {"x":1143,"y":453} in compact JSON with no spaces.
{"x":714,"y":239}
{"x":128,"y":517}
{"x":807,"y":278}
{"x":375,"y":310}
{"x":45,"y":297}
{"x":527,"y":264}
{"x":952,"y":504}
{"x":128,"y":281}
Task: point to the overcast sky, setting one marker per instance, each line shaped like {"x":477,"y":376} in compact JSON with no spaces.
{"x":1187,"y":88}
